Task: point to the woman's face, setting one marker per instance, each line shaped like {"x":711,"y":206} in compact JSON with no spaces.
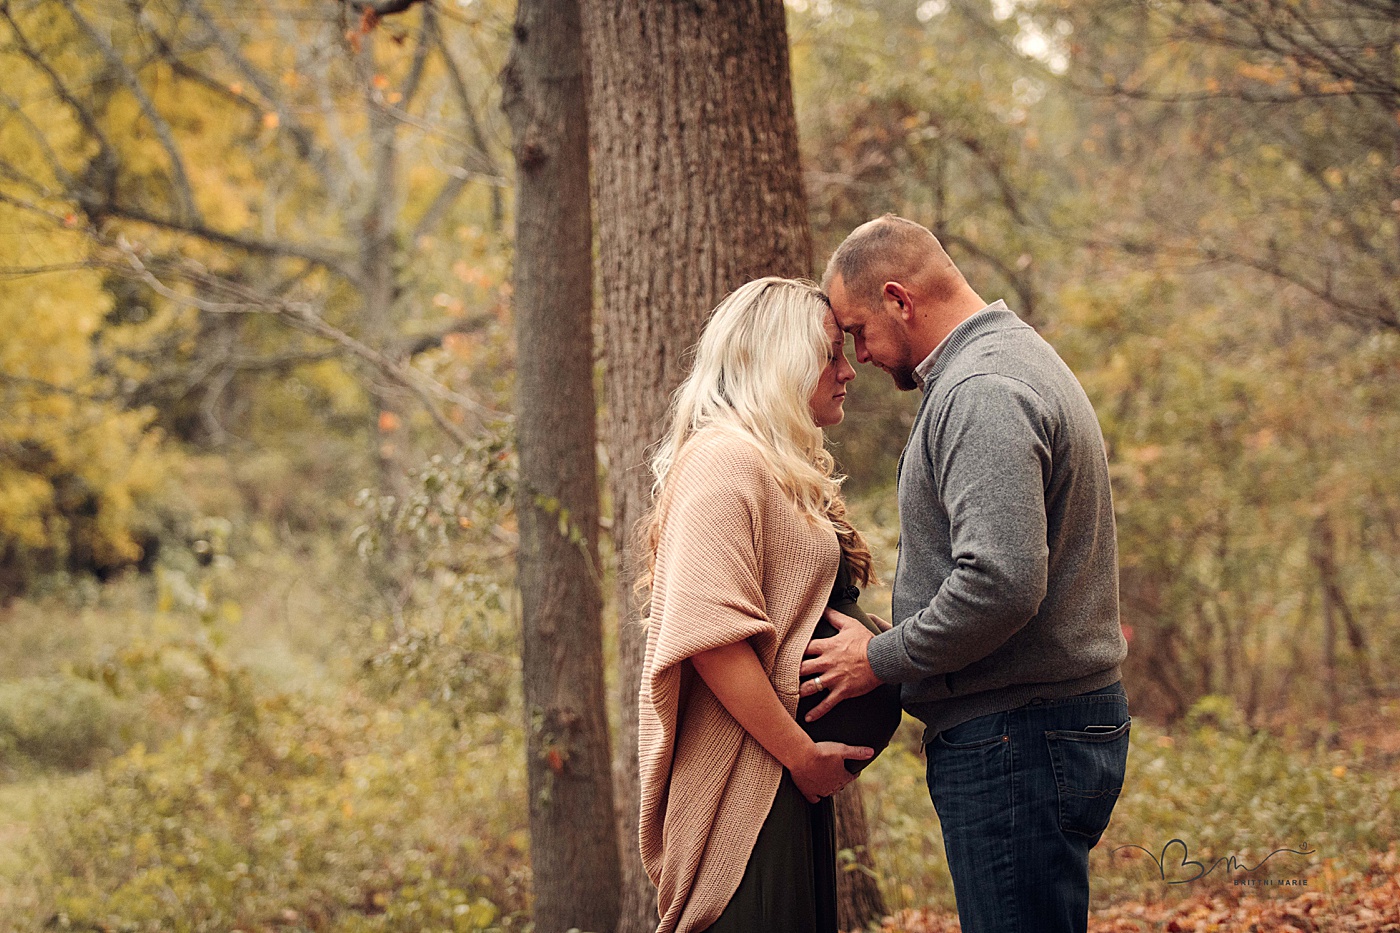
{"x":830,"y":392}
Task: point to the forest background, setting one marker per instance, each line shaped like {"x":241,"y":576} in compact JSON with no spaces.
{"x":259,"y":484}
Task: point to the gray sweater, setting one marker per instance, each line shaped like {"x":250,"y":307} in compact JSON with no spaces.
{"x":1007,"y":585}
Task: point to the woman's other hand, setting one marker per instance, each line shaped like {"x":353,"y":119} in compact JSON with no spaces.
{"x":737,"y":679}
{"x":880,"y":623}
{"x":823,"y":771}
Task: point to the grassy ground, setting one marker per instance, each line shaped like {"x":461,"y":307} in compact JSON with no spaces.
{"x":252,"y":752}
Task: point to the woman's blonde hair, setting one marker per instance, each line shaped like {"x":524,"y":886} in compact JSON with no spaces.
{"x":754,"y":371}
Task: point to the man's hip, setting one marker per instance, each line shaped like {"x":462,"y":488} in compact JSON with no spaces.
{"x":1022,"y":796}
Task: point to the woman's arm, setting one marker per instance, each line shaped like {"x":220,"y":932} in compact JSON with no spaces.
{"x":737,"y":679}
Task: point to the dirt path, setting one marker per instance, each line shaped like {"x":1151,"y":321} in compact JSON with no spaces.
{"x":16,"y":811}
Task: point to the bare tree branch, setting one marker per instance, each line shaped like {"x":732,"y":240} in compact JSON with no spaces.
{"x":452,"y":188}
{"x":1025,"y":293}
{"x":992,"y":165}
{"x":24,"y":272}
{"x":281,"y":362}
{"x":382,"y":8}
{"x":188,"y":208}
{"x":12,"y":172}
{"x":335,"y":262}
{"x":303,"y":317}
{"x":304,"y":139}
{"x":1381,"y":313}
{"x":104,"y":166}
{"x":32,"y":208}
{"x":426,"y":31}
{"x":422,"y":343}
{"x":51,"y":157}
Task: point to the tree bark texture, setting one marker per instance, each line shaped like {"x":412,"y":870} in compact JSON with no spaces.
{"x":378,"y":285}
{"x":573,"y":843}
{"x":858,"y":898}
{"x":699,"y":189}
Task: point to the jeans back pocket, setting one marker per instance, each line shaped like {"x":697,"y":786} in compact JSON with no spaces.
{"x":1089,"y":770}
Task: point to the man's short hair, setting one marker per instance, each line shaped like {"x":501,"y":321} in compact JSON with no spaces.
{"x":890,"y":248}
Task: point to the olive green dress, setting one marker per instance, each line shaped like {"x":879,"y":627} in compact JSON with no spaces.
{"x":789,"y":884}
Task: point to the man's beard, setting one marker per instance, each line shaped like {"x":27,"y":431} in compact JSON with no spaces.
{"x":903,"y":375}
{"x":904,"y":379}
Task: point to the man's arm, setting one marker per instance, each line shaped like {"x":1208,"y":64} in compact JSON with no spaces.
{"x":991,"y":453}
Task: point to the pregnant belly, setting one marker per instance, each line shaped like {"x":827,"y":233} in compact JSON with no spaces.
{"x":870,"y":719}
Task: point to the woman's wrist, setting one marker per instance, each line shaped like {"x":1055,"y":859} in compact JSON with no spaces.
{"x":798,"y":754}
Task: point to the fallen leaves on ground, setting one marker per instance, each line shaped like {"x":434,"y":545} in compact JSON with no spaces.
{"x":1366,"y":902}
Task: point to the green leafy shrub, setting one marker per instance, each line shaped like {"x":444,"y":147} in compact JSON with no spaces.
{"x":443,"y":551}
{"x":59,"y":722}
{"x":282,"y":810}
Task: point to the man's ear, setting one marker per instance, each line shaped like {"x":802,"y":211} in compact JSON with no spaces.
{"x":901,"y":303}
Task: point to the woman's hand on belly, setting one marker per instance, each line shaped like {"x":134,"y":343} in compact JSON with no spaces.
{"x":825,"y":773}
{"x":737,"y":679}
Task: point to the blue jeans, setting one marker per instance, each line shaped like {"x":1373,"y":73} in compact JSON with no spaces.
{"x":1023,"y":796}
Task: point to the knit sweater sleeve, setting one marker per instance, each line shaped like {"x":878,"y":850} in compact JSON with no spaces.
{"x":708,"y":556}
{"x":990,"y":452}
{"x":707,"y":591}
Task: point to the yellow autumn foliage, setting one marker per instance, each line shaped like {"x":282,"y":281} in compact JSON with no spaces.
{"x":76,"y":465}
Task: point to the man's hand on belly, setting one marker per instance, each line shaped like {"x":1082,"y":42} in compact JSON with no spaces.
{"x":841,"y":662}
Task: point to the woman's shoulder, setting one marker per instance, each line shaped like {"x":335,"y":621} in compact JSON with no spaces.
{"x":724,"y":455}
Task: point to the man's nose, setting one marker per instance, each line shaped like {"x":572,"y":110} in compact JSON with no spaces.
{"x":862,"y":355}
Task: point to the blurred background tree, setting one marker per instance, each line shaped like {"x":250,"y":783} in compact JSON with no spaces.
{"x":296,"y":218}
{"x":573,"y":821}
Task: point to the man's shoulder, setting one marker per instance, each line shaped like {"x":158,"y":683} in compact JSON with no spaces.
{"x":990,"y":379}
{"x":1014,"y":358}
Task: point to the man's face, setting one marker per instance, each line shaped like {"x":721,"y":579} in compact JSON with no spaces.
{"x":881,"y":337}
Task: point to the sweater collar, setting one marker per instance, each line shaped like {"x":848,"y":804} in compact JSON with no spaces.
{"x":995,"y":316}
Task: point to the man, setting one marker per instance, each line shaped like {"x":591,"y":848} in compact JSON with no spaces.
{"x":1006,"y":635}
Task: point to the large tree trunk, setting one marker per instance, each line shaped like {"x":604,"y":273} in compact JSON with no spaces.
{"x":573,"y":846}
{"x":698,"y":189}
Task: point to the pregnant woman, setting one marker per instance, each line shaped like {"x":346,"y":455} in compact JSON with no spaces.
{"x":749,"y":544}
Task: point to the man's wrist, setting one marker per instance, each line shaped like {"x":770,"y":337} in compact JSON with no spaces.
{"x":887,"y":659}
{"x":869,"y":666}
